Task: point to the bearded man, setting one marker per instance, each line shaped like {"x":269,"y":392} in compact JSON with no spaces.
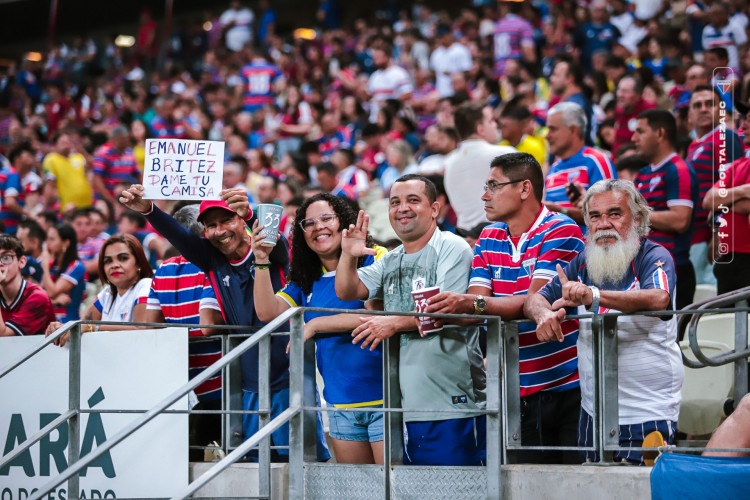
{"x":620,"y":271}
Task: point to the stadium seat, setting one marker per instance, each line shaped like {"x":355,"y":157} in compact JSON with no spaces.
{"x":704,"y":391}
{"x":717,"y":328}
{"x":704,"y":292}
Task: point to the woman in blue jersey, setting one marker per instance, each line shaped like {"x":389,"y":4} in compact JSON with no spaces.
{"x":63,"y":275}
{"x":352,"y":376}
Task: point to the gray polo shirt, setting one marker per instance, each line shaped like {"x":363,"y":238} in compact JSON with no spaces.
{"x":443,"y":370}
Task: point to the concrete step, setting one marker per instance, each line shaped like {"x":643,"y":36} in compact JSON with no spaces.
{"x":519,"y":482}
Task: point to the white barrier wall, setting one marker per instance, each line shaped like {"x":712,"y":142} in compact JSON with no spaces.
{"x":119,"y":370}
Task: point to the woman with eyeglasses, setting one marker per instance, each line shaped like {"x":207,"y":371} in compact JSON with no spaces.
{"x":352,"y":376}
{"x":126,"y":274}
{"x":63,"y":274}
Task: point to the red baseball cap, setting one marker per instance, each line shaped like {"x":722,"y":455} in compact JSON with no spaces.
{"x":209,"y":204}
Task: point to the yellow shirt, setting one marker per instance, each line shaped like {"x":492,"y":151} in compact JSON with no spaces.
{"x":140,"y":155}
{"x":533,"y":145}
{"x":70,"y":176}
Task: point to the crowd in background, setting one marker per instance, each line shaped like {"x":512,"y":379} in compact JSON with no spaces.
{"x":348,"y":109}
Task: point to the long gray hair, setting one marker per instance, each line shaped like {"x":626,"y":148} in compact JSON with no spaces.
{"x":638,"y":206}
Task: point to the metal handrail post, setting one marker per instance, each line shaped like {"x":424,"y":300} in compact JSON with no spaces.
{"x":275,"y":424}
{"x":296,"y":423}
{"x":494,"y":397}
{"x":596,"y":341}
{"x":75,"y":467}
{"x":264,"y":406}
{"x":74,"y":403}
{"x":33,"y":351}
{"x":309,"y":398}
{"x":512,"y":390}
{"x":608,"y":424}
{"x":393,"y":422}
{"x":740,"y":345}
{"x":233,"y":398}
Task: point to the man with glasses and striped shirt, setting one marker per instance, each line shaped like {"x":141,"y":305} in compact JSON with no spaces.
{"x":516,"y":256}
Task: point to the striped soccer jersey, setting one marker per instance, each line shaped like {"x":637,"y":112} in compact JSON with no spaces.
{"x":511,"y":33}
{"x":650,"y":365}
{"x":671,"y":182}
{"x":506,"y":266}
{"x":75,"y":274}
{"x":258,"y":79}
{"x":706,"y":155}
{"x":116,"y":167}
{"x":586,"y":167}
{"x":342,"y":138}
{"x":176,"y":290}
{"x":168,"y":129}
{"x":10,"y":186}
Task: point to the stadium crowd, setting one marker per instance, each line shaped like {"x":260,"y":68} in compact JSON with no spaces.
{"x":535,"y":159}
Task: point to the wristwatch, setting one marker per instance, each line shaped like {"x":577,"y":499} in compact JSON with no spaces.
{"x":564,"y":211}
{"x":594,"y":307}
{"x":479,"y":304}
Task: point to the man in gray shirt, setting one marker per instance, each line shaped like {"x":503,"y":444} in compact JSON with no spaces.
{"x":442,"y":370}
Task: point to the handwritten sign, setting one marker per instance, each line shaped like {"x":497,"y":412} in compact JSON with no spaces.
{"x":181,"y":169}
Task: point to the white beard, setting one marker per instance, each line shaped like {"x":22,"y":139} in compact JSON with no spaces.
{"x":607,"y":265}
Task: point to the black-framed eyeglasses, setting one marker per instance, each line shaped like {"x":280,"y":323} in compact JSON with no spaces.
{"x":325,"y":220}
{"x":491,"y":186}
{"x":7,"y":259}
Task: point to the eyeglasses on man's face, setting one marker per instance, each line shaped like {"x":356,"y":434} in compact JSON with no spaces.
{"x":325,"y":220}
{"x":7,"y":259}
{"x":491,"y":186}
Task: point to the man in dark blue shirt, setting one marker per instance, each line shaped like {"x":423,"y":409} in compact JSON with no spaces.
{"x":597,"y":35}
{"x":225,"y":256}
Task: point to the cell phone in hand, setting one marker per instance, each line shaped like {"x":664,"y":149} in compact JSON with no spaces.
{"x":573,"y":192}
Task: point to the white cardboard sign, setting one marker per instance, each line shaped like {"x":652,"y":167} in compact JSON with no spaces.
{"x":182,"y":169}
{"x":119,"y":370}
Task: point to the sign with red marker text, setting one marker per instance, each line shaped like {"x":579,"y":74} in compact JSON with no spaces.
{"x":182,"y":169}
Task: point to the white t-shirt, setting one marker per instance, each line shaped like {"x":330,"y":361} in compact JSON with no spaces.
{"x":122,"y":309}
{"x":241,"y":33}
{"x":729,"y":36}
{"x":466,"y":170}
{"x":444,"y":61}
{"x":389,"y":83}
{"x":650,"y":367}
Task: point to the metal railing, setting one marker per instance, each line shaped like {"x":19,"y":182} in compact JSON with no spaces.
{"x":76,"y":463}
{"x":502,"y":410}
{"x":735,"y":302}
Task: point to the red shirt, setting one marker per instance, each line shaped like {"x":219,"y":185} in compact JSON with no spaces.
{"x":625,"y":123}
{"x":30,"y":313}
{"x":737,"y":230}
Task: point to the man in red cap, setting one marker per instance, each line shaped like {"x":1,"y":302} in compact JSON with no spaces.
{"x":225,"y":256}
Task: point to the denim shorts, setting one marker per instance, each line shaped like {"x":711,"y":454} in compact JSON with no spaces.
{"x":356,"y":425}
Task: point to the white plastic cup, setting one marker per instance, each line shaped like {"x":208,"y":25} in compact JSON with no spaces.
{"x":269,"y":216}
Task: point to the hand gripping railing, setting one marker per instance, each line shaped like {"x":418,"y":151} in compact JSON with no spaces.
{"x":72,"y":415}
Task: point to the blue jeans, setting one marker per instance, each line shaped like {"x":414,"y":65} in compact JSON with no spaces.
{"x":356,"y":425}
{"x":280,"y":437}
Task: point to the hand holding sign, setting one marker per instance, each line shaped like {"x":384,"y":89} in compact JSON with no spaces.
{"x":133,"y":199}
{"x":180,"y":169}
{"x":237,"y":200}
